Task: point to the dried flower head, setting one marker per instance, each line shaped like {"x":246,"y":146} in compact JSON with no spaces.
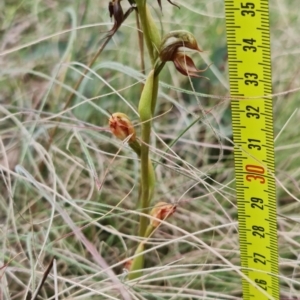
{"x":161,"y":211}
{"x":159,"y":3}
{"x":174,"y":47}
{"x":116,"y":11}
{"x":121,"y":127}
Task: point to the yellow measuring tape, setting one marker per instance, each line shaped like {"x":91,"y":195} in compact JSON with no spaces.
{"x":248,"y":39}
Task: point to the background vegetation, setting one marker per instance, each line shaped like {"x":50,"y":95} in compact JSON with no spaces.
{"x":48,"y":193}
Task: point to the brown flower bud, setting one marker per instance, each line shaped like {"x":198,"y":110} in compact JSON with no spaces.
{"x":121,"y":127}
{"x":174,"y":47}
{"x":161,"y":211}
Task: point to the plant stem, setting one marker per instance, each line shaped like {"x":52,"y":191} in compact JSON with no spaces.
{"x":144,"y":179}
{"x":138,"y":262}
{"x":145,"y":112}
{"x":146,"y":109}
{"x":141,"y":42}
{"x":151,"y":33}
{"x":154,"y":93}
{"x":136,"y":147}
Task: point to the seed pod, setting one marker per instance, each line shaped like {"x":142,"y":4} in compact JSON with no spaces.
{"x":121,"y":127}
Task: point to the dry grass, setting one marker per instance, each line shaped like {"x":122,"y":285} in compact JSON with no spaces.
{"x":57,"y":211}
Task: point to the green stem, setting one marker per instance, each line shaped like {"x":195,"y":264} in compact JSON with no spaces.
{"x":138,"y":261}
{"x":146,"y":129}
{"x":136,"y":147}
{"x":151,"y":181}
{"x":145,"y":111}
{"x":154,"y":93}
{"x":151,"y":33}
{"x":141,"y":43}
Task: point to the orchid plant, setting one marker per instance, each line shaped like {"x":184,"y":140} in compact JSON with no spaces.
{"x":172,"y":47}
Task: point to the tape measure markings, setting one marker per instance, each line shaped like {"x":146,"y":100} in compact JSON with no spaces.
{"x":248,"y":39}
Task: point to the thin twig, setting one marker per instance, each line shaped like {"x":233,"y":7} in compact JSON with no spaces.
{"x":36,"y":293}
